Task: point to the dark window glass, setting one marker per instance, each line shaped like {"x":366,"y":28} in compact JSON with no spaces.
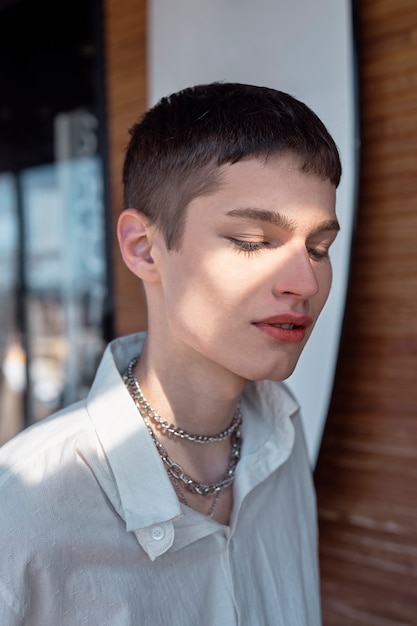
{"x":54,"y":274}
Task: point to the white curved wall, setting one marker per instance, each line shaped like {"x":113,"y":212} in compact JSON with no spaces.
{"x":306,"y":49}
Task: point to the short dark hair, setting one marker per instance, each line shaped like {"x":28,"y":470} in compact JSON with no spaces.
{"x":178,"y":146}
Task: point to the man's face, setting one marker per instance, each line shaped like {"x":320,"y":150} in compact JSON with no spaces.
{"x":253,"y":272}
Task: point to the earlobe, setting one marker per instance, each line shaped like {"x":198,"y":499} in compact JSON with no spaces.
{"x":134,"y":235}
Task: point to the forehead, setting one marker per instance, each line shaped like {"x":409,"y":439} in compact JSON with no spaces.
{"x":255,"y":187}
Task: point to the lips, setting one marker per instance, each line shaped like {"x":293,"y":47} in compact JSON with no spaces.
{"x":285,"y":327}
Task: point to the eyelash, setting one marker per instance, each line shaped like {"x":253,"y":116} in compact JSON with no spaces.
{"x":318,"y":255}
{"x":248,"y":247}
{"x":252,"y":247}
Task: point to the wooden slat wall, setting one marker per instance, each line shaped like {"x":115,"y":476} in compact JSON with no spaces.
{"x":125,"y":57}
{"x":366,"y":475}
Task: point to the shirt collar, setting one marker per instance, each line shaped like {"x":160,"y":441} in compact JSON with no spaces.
{"x":130,"y":453}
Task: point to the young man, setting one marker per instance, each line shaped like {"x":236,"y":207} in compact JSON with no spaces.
{"x":179,"y":492}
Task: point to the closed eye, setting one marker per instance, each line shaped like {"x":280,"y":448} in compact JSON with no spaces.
{"x":318,"y":254}
{"x":248,"y":247}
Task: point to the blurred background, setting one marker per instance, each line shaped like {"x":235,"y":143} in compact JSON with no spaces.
{"x":55,"y":296}
{"x":74,"y":76}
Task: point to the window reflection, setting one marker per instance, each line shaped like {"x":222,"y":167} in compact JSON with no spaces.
{"x":12,"y":356}
{"x":54,"y":296}
{"x":65,"y":273}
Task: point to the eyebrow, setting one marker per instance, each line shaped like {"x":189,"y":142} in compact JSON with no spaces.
{"x":277,"y":219}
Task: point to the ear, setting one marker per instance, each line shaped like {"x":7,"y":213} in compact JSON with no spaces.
{"x":135,"y":241}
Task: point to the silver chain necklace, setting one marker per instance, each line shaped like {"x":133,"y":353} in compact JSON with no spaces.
{"x":174,"y":470}
{"x":171,"y":428}
{"x":183,"y":499}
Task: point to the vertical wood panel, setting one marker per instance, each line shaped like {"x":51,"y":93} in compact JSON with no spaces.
{"x":366,"y":475}
{"x":125,"y":57}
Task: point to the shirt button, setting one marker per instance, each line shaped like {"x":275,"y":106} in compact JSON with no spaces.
{"x":157,"y":533}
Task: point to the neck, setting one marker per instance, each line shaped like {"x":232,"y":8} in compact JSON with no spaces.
{"x":210,"y":450}
{"x":199,"y":400}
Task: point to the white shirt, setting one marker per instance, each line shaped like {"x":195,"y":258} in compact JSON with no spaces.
{"x":92,"y":532}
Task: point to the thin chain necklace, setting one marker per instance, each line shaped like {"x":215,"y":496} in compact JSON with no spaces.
{"x":171,"y":428}
{"x":174,"y":470}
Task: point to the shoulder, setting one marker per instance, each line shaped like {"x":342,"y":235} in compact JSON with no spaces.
{"x":44,"y":440}
{"x":37,"y":468}
{"x":41,"y":439}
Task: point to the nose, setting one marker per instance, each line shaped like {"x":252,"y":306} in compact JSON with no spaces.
{"x":296,"y":275}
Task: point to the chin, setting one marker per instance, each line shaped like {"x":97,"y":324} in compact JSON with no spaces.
{"x":277,"y":373}
{"x":273,"y":377}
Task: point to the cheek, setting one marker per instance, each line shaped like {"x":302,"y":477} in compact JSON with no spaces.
{"x":203,"y":308}
{"x":205,"y":295}
{"x":192,"y":305}
{"x":214,"y":284}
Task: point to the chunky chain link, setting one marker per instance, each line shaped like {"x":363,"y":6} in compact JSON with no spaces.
{"x":171,"y":428}
{"x":174,"y":470}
